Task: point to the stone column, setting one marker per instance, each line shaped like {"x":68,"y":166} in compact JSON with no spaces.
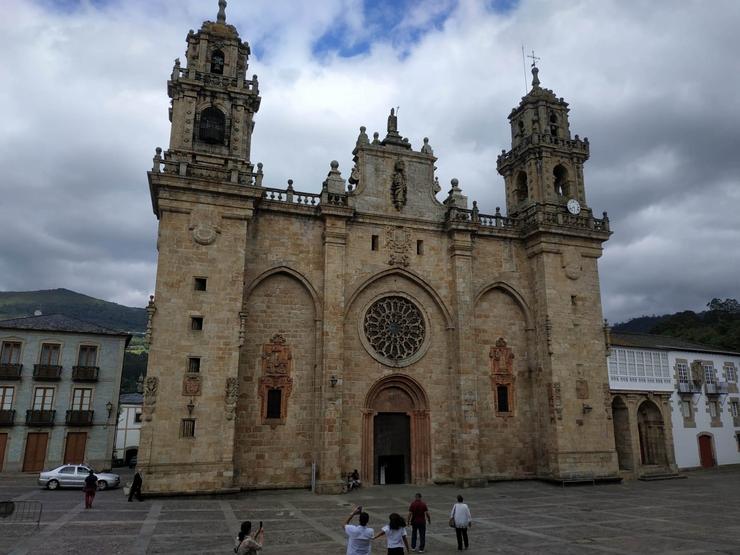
{"x":466,"y":434}
{"x":632,"y":402}
{"x":335,"y":241}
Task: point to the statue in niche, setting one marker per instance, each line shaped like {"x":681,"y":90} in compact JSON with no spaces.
{"x":398,"y":185}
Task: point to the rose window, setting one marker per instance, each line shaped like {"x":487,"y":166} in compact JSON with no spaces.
{"x":394,"y":327}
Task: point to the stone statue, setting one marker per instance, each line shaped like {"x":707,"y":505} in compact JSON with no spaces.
{"x":398,"y":184}
{"x":426,"y":147}
{"x":392,"y":123}
{"x":362,"y":138}
{"x":221,"y":17}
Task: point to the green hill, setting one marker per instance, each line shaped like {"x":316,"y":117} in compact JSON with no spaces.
{"x":17,"y":304}
{"x":719,"y":326}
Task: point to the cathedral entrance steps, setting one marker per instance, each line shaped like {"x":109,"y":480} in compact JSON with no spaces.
{"x":665,"y":476}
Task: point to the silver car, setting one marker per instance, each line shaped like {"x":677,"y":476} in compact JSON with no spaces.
{"x":73,"y":476}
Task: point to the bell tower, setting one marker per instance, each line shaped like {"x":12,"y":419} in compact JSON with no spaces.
{"x":212,"y":101}
{"x":545,"y":164}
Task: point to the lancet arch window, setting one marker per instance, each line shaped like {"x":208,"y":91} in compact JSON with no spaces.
{"x":553,"y":125}
{"x":212,"y":128}
{"x":560,"y":180}
{"x":217,"y":62}
{"x":522,"y":188}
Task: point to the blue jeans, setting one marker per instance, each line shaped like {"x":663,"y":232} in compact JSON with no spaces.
{"x":422,"y":530}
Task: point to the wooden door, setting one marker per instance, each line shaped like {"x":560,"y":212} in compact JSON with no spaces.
{"x":706,"y":455}
{"x":33,"y":460}
{"x":3,"y":443}
{"x":74,"y":450}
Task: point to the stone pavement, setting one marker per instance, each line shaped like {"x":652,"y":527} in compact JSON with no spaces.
{"x":698,"y":515}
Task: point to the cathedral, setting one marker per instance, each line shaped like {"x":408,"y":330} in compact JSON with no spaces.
{"x":296,"y":336}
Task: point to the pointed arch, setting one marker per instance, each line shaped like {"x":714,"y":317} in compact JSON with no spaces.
{"x":514,"y":294}
{"x":449,"y":322}
{"x":292,"y":273}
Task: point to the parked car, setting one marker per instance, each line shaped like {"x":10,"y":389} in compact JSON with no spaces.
{"x":73,"y":476}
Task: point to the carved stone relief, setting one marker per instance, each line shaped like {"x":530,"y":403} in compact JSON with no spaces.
{"x":151,"y":386}
{"x":398,"y":242}
{"x":555,"y":401}
{"x":502,"y":376}
{"x":277,"y":364}
{"x":571,"y":263}
{"x":191,"y":385}
{"x":581,"y":389}
{"x":398,"y":185}
{"x":204,"y":234}
{"x":395,"y":328}
{"x":231,"y":397}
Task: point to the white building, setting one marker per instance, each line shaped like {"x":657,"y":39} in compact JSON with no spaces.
{"x":675,"y":404}
{"x":128,"y":427}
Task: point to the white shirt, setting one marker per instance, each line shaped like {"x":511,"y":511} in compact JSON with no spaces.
{"x":461,"y":513}
{"x":359,"y":539}
{"x":395,"y":537}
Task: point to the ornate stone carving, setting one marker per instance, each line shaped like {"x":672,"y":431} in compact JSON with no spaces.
{"x":394,"y":328}
{"x":555,"y":401}
{"x":502,"y":376}
{"x":242,"y":328}
{"x":581,"y":389}
{"x":571,"y":263}
{"x":150,"y":310}
{"x":398,"y":185}
{"x":204,"y":234}
{"x":548,"y":334}
{"x":398,"y":243}
{"x":231,"y":397}
{"x":277,"y":364}
{"x":191,"y":385}
{"x":426,"y":148}
{"x":151,"y":386}
{"x":502,"y":358}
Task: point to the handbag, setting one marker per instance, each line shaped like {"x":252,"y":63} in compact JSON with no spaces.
{"x":452,"y":518}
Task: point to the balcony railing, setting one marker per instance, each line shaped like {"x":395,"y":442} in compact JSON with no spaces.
{"x":719,"y":388}
{"x":688,"y":388}
{"x":79,"y":417}
{"x":47,"y":372}
{"x":85,"y":373}
{"x":7,"y":417}
{"x":40,"y":417}
{"x":10,"y":371}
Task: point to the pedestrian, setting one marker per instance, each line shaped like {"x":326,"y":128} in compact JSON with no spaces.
{"x":461,"y":520}
{"x":248,"y":545}
{"x":136,"y":487}
{"x":358,"y":537}
{"x":418,"y":517}
{"x":90,"y":487}
{"x":395,"y":535}
{"x":355,"y":479}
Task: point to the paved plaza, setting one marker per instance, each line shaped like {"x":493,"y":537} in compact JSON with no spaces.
{"x":700,"y":514}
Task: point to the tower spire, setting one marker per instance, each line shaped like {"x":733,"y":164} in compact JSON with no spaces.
{"x":221,"y":17}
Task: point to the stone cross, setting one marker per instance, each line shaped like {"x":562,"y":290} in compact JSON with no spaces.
{"x":221,"y":17}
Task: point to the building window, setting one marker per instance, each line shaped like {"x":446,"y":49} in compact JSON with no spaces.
{"x":137,"y":417}
{"x":710,"y":374}
{"x":6,"y":398}
{"x":200,"y":283}
{"x":560,"y":177}
{"x":81,"y":398}
{"x":735,"y":408}
{"x":374,"y":242}
{"x":522,"y":189}
{"x":196,"y":323}
{"x":11,"y":352}
{"x":212,"y":128}
{"x":193,"y":365}
{"x":686,"y":411}
{"x":187,"y":427}
{"x":713,"y":412}
{"x":683,"y":372}
{"x":737,"y":439}
{"x":88,"y":355}
{"x":274,"y":402}
{"x":43,"y":398}
{"x":50,"y":354}
{"x":730,"y":372}
{"x":502,"y":398}
{"x":217,"y":62}
{"x":633,"y":366}
{"x":420,"y":247}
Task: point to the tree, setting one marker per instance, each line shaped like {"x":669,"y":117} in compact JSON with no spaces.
{"x":730,"y":306}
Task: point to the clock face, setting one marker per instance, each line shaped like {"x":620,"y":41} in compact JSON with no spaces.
{"x":574,"y":207}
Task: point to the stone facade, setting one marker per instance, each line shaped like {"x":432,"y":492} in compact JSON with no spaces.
{"x":323,"y":322}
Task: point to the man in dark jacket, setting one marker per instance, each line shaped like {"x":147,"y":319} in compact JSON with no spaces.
{"x":90,"y":487}
{"x":136,"y":487}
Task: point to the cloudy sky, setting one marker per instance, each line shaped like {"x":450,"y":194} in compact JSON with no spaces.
{"x":655,"y":85}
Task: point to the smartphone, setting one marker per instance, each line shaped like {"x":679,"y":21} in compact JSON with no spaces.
{"x":359,"y":509}
{"x":260,"y":525}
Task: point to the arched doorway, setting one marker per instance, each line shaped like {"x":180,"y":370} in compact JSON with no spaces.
{"x":396,"y":443}
{"x":652,"y":434}
{"x":622,"y":435}
{"x":706,"y":451}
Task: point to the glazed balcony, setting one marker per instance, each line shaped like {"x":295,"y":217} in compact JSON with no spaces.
{"x":47,"y":372}
{"x":10,"y":371}
{"x":7,"y":417}
{"x":40,"y":417}
{"x":80,"y":417}
{"x":85,"y":373}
